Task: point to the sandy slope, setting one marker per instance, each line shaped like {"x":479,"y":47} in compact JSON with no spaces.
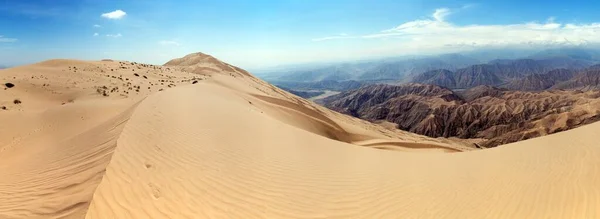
{"x":51,"y":168}
{"x":232,"y":146}
{"x":56,"y":144}
{"x":216,"y":155}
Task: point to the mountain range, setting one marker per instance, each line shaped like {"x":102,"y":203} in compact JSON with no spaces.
{"x":455,"y":71}
{"x":495,"y":115}
{"x":386,"y":69}
{"x":537,"y":82}
{"x":506,"y":73}
{"x":588,"y":79}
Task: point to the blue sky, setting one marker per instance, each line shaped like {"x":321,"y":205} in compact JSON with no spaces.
{"x":261,"y":33}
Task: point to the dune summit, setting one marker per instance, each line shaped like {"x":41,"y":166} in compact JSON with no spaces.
{"x":199,"y":138}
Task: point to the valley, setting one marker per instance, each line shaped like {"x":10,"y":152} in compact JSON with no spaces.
{"x":499,"y":102}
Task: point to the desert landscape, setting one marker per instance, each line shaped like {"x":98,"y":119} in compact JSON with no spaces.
{"x":200,"y":138}
{"x":299,"y":109}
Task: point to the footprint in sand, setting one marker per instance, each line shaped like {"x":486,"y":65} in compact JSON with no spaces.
{"x":155,"y":190}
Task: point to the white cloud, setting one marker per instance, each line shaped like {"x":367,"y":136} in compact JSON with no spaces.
{"x":96,"y":34}
{"x":169,"y":43}
{"x":7,"y":40}
{"x":118,"y":14}
{"x":114,"y":35}
{"x":97,"y":26}
{"x":436,"y":34}
{"x":441,"y":13}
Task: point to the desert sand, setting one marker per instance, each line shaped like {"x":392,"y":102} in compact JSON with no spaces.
{"x":199,"y":138}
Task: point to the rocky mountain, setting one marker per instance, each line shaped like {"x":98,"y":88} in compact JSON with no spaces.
{"x":537,"y":82}
{"x":454,"y":71}
{"x":481,"y":91}
{"x":527,"y":73}
{"x":476,"y":75}
{"x":521,"y":67}
{"x":439,"y":77}
{"x":588,"y":79}
{"x":566,"y":63}
{"x":497,"y":115}
{"x":401,"y":69}
{"x":354,"y":102}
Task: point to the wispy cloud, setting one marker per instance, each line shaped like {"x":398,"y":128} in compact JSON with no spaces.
{"x":97,"y":26}
{"x":440,"y":14}
{"x":336,"y":37}
{"x":169,"y":43}
{"x":7,"y":40}
{"x":96,"y":34}
{"x":437,"y":32}
{"x":114,"y":35}
{"x":118,"y":14}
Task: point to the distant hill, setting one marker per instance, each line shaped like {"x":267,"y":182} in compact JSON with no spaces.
{"x":440,"y":77}
{"x":520,"y":74}
{"x":588,"y":79}
{"x":535,"y":70}
{"x":573,"y":53}
{"x":400,"y":70}
{"x":537,"y":82}
{"x":565,"y":79}
{"x":388,"y":69}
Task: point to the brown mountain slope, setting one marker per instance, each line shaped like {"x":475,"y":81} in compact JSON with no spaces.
{"x":520,"y":74}
{"x":538,"y":82}
{"x":499,"y":116}
{"x":588,"y":79}
{"x":483,"y":74}
{"x":481,"y":91}
{"x":440,"y":77}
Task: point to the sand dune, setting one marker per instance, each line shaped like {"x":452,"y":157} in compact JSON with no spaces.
{"x":233,"y":146}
